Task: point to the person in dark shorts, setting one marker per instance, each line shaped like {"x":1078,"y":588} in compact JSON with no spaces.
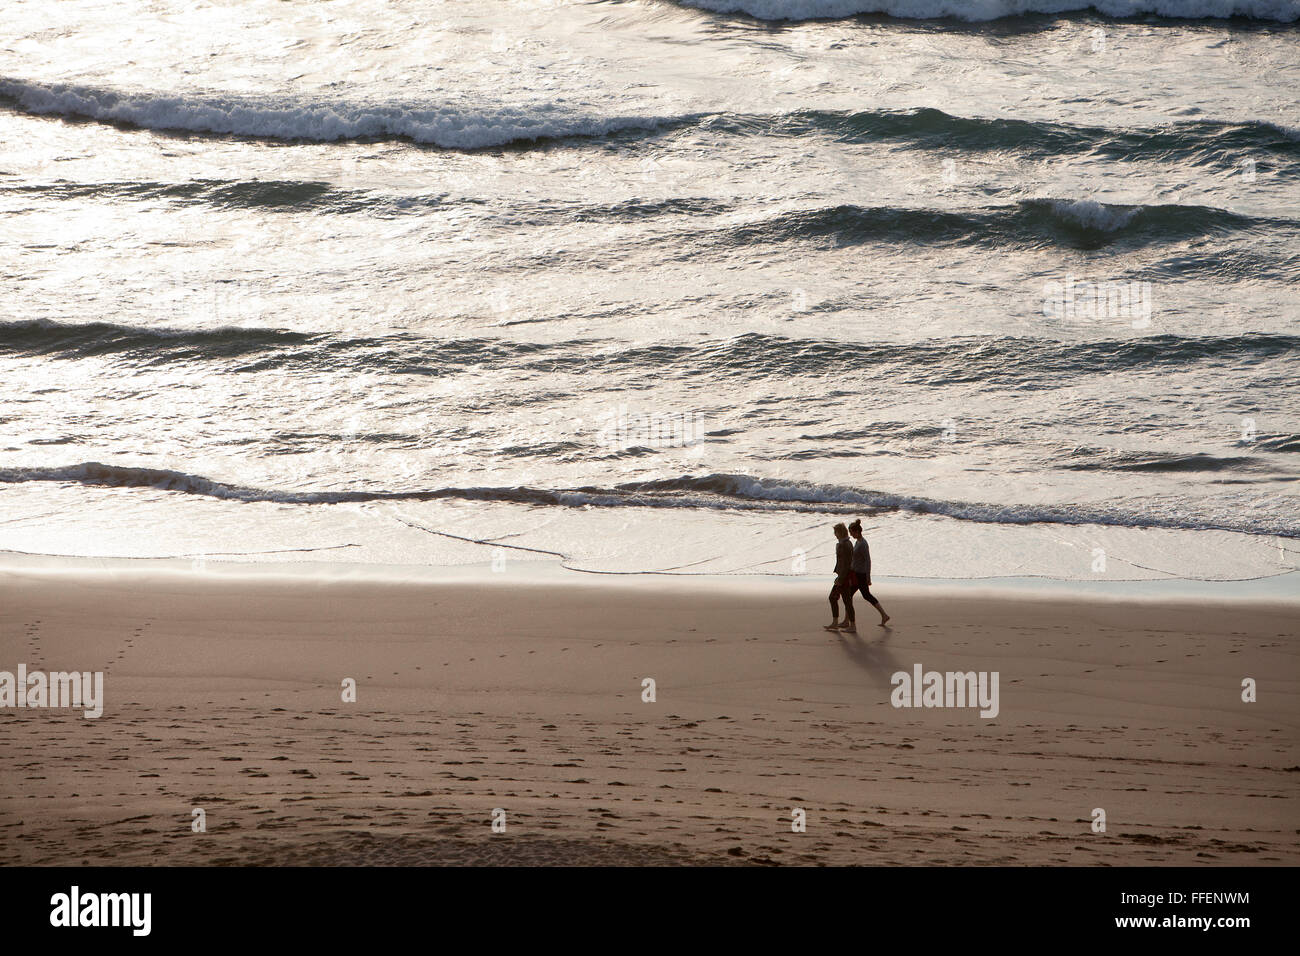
{"x":862,"y":568}
{"x":844,"y":584}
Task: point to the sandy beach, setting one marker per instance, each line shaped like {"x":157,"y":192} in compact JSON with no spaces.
{"x":223,"y":694}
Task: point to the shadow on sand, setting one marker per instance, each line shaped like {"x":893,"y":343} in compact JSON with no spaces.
{"x":872,"y":653}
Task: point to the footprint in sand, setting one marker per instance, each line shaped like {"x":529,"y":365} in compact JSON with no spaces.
{"x":129,"y":645}
{"x":35,"y":652}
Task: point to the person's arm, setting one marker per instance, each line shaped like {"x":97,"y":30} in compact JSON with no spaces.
{"x":867,"y":548}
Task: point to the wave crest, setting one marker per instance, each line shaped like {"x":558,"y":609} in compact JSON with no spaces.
{"x":1030,"y":223}
{"x":287,"y":118}
{"x":714,"y":491}
{"x":975,"y":11}
{"x":1020,"y":361}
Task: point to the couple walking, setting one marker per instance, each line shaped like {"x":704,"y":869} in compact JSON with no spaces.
{"x":852,"y":573}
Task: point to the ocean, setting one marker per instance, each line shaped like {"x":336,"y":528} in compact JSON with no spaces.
{"x":654,"y":286}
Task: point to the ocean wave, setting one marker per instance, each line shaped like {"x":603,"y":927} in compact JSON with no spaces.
{"x":1027,"y":224}
{"x":1279,"y":443}
{"x":925,"y":127}
{"x":262,"y":347}
{"x":224,"y":193}
{"x":1227,"y":266}
{"x":932,"y":128}
{"x":71,"y":340}
{"x":1031,"y":223}
{"x":1093,"y":215}
{"x":995,"y":361}
{"x":288,"y":118}
{"x":299,"y":195}
{"x":1284,"y":11}
{"x":1104,"y":460}
{"x":714,"y":491}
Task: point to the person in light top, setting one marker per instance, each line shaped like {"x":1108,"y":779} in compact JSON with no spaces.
{"x":862,"y":570}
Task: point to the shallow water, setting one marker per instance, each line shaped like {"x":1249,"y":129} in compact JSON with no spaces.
{"x":653,"y":287}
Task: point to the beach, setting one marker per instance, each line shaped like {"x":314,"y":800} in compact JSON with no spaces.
{"x":424,"y":426}
{"x":521,"y":699}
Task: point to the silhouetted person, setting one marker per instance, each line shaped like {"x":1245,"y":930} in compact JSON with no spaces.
{"x":844,"y":584}
{"x":862,"y":570}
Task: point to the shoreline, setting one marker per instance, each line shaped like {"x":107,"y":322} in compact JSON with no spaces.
{"x":223,"y":694}
{"x":1281,"y":588}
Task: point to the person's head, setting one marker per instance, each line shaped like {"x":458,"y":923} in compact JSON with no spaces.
{"x":855,"y":528}
{"x":840,"y":531}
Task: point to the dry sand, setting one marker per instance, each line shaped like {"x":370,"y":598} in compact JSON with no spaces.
{"x":223,"y":693}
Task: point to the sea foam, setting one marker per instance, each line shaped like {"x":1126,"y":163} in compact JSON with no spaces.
{"x":714,"y":491}
{"x":290,"y":118}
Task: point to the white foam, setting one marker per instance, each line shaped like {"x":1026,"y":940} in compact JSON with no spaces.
{"x":287,"y":118}
{"x":1290,"y":132}
{"x":710,"y":492}
{"x":1094,"y":215}
{"x":1285,"y":11}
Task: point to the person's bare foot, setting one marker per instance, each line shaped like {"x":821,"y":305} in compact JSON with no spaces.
{"x":832,"y":626}
{"x":849,"y":626}
{"x":884,"y":619}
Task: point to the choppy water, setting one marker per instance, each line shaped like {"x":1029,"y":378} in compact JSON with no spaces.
{"x":654,"y":286}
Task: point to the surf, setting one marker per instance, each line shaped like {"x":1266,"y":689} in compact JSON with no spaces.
{"x":978,"y":11}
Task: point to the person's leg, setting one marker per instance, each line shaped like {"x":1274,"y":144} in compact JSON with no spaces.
{"x":866,"y":593}
{"x":835,"y":608}
{"x":850,"y":621}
